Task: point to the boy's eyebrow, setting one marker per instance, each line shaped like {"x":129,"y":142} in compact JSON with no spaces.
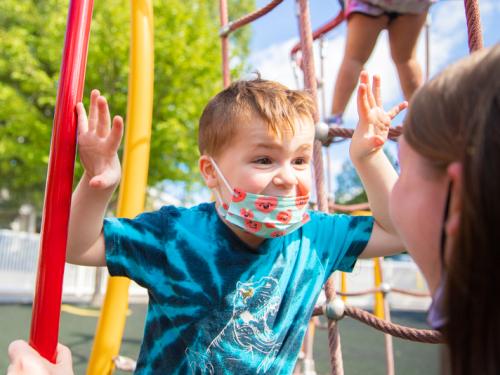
{"x":305,"y":147}
{"x":267,"y":145}
{"x":273,"y":146}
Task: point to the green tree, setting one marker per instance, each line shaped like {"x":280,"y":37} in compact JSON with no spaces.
{"x":187,"y":74}
{"x":349,"y":187}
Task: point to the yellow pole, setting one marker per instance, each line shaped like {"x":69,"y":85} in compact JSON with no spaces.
{"x":378,"y":308}
{"x":343,"y":285}
{"x":133,"y":187}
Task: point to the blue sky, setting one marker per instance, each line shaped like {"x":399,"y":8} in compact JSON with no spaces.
{"x":275,"y":34}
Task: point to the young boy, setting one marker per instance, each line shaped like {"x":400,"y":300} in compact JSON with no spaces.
{"x":232,"y":284}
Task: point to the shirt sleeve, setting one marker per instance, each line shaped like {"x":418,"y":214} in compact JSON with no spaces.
{"x":340,"y":239}
{"x":133,"y":245}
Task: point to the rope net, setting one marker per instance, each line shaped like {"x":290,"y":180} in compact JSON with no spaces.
{"x":334,"y":132}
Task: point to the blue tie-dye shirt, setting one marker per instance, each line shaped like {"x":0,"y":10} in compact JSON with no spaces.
{"x":217,"y":306}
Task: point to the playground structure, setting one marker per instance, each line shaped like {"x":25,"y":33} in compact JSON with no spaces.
{"x":46,"y":306}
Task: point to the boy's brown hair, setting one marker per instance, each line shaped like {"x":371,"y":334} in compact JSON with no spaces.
{"x":278,"y":106}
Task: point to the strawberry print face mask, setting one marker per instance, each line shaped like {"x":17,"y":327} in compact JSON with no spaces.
{"x":262,"y":215}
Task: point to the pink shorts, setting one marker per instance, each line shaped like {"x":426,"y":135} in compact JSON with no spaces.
{"x":377,"y":8}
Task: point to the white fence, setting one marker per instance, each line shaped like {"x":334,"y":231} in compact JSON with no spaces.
{"x":19,"y":257}
{"x":398,"y":274}
{"x":18,"y":267}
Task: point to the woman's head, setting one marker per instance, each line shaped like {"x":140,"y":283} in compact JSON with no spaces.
{"x":452,"y":136}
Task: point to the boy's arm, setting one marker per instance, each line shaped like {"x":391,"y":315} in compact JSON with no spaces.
{"x":381,"y":243}
{"x":97,"y":145}
{"x":85,"y":238}
{"x":374,"y":168}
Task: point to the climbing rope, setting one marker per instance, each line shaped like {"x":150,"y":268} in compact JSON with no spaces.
{"x":228,"y":27}
{"x":336,"y":131}
{"x":322,"y":30}
{"x":310,"y":84}
{"x":474,"y":30}
{"x":383,"y":290}
{"x":336,"y":361}
{"x":396,"y":330}
{"x":234,"y":25}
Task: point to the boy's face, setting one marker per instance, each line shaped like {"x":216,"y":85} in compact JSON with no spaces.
{"x":259,"y":162}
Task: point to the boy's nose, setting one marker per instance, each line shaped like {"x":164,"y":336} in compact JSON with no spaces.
{"x":285,"y":177}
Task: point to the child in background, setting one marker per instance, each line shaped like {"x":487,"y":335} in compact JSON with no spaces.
{"x":232,"y":284}
{"x":403,"y":20}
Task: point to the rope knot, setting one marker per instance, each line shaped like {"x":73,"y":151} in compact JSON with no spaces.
{"x":334,"y":309}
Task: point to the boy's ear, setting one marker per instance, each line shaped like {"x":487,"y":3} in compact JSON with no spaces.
{"x":455,"y":173}
{"x":208,"y":171}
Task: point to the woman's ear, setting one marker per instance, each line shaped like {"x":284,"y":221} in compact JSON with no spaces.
{"x":207,"y":170}
{"x":455,"y":173}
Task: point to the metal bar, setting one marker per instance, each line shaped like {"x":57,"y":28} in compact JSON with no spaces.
{"x":48,"y":292}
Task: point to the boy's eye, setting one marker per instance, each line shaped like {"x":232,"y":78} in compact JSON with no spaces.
{"x":263,"y":161}
{"x":300,"y":161}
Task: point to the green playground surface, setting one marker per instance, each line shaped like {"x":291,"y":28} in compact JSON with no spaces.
{"x":363,"y":348}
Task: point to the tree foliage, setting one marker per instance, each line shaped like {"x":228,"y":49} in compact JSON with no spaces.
{"x":349,"y":186}
{"x":187,"y":74}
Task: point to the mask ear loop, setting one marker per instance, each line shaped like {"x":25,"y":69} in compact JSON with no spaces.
{"x":443,"y":230}
{"x":216,"y":167}
{"x":219,"y":198}
{"x":435,"y":315}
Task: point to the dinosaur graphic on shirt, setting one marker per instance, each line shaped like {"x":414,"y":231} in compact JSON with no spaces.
{"x":247,"y":333}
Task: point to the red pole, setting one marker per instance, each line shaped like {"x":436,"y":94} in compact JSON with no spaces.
{"x":48,"y":294}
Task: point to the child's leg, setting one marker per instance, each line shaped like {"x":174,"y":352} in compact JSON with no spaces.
{"x":362,"y":34}
{"x":403,"y":36}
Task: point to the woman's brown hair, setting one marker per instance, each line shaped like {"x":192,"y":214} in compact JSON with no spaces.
{"x":456,"y":117}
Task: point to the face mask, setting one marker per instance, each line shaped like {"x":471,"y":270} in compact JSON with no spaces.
{"x":436,"y":316}
{"x":262,"y":215}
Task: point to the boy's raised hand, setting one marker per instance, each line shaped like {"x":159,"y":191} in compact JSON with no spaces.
{"x":98,"y":142}
{"x":374,"y":122}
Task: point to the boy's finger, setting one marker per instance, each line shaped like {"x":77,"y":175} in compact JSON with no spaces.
{"x":363,"y":77}
{"x":63,"y":354}
{"x":104,"y":180}
{"x":397,"y":109}
{"x":19,"y":349}
{"x":104,"y":120}
{"x":369,"y":92}
{"x":93,"y":109}
{"x":82,"y":123}
{"x":363,"y":104}
{"x":115,"y":136}
{"x":376,"y":90}
{"x":377,"y":141}
{"x":95,"y":182}
{"x":16,"y":347}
